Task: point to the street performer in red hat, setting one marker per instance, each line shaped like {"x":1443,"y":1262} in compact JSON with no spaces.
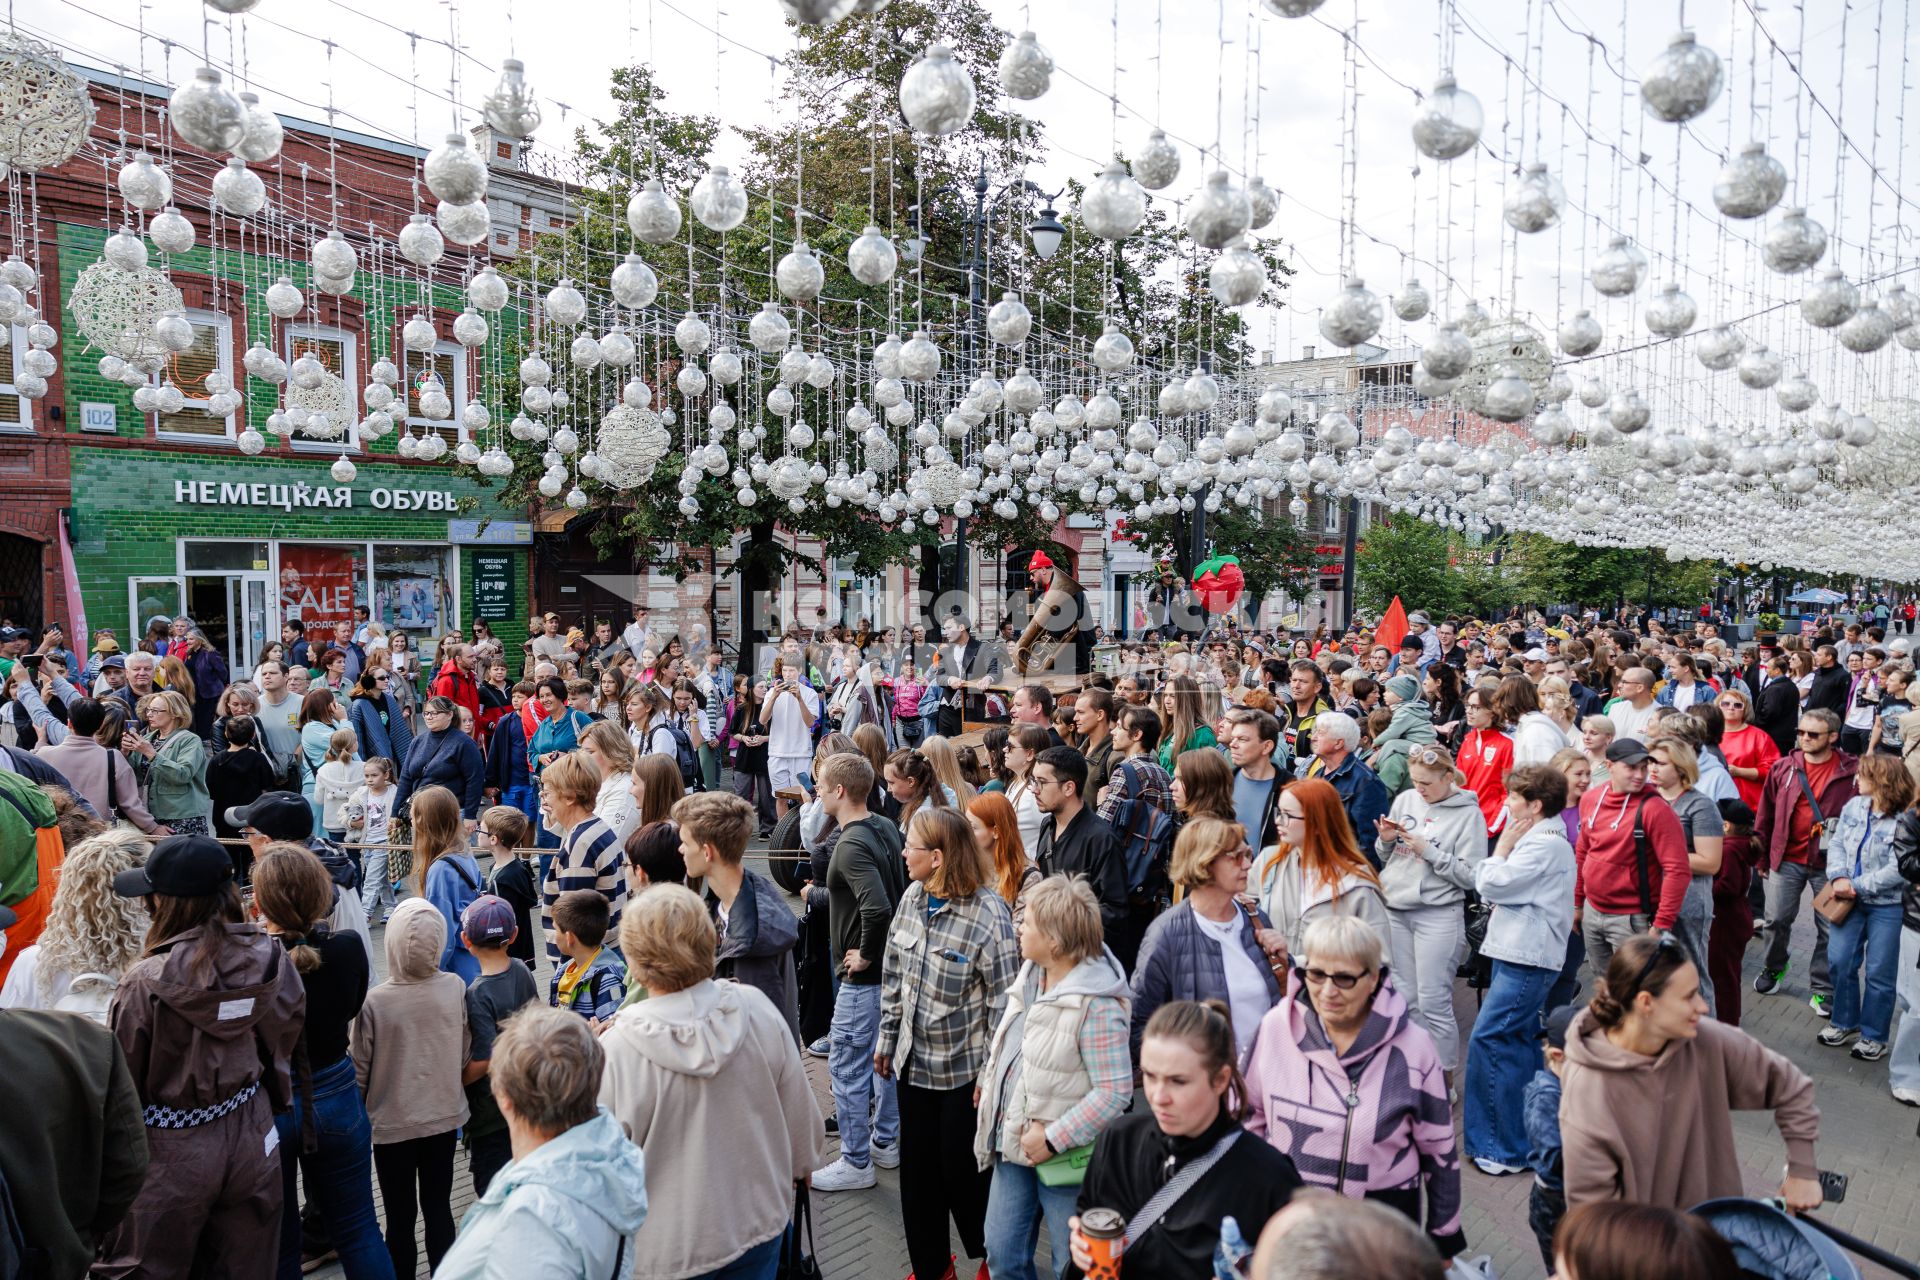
{"x":1059,"y":614}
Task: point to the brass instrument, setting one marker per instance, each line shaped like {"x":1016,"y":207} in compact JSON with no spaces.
{"x":1040,"y":646}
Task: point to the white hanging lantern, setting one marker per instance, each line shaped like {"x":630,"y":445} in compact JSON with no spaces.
{"x":206,"y":113}
{"x":454,"y":173}
{"x":936,"y":93}
{"x":1449,"y":121}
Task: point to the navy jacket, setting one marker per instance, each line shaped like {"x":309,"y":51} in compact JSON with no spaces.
{"x":1179,"y":960}
{"x":1365,"y":799}
{"x":507,"y":756}
{"x":448,"y":759}
{"x":394,"y":739}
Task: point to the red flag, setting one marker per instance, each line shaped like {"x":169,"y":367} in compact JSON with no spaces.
{"x":1393,"y":628}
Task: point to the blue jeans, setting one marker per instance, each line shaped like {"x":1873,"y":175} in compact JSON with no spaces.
{"x":339,"y":1177}
{"x":1567,"y":985}
{"x":1871,"y":932}
{"x":856,"y":1025}
{"x":1016,"y":1202}
{"x":523,"y":797}
{"x":761,"y":1262}
{"x":1501,"y":1057}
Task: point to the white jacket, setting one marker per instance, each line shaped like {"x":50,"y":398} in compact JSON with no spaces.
{"x":1537,"y":739}
{"x":1531,"y":890}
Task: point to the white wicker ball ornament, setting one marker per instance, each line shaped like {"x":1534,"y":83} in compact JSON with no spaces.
{"x":264,"y":133}
{"x":206,"y":113}
{"x":1449,"y":121}
{"x":1794,"y":243}
{"x":418,"y":334}
{"x":718,"y":200}
{"x":1026,"y":69}
{"x":1683,"y":81}
{"x":1114,"y":204}
{"x":936,"y":94}
{"x":144,"y":184}
{"x":125,"y":250}
{"x":454,"y":173}
{"x":871,"y":257}
{"x":1352,"y":317}
{"x":513,"y":107}
{"x":48,"y":110}
{"x":1158,"y":163}
{"x":1008,"y":321}
{"x":1219,"y":212}
{"x":1671,"y":312}
{"x":239,"y":190}
{"x":799,"y":275}
{"x":633,"y":283}
{"x":1112,"y":352}
{"x":170,"y":231}
{"x":464,"y":223}
{"x":1750,"y":184}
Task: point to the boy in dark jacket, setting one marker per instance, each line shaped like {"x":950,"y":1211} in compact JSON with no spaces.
{"x":1547,"y":1202}
{"x":756,"y":926}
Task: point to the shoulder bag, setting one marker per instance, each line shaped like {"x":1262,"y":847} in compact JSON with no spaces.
{"x":1834,"y":909}
{"x":1178,"y":1185}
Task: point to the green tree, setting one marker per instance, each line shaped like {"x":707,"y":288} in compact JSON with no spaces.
{"x":1409,"y":558}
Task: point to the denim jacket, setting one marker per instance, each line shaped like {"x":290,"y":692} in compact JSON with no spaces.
{"x":1863,"y":837}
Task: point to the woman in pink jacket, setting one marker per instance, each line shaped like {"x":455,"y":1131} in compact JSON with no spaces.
{"x":1350,"y":1087}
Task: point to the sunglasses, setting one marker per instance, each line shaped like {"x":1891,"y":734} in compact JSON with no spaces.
{"x":1811,"y":733}
{"x":1344,"y":981}
{"x":1665,"y":944}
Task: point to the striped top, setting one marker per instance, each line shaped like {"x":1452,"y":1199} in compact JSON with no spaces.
{"x":589,"y":858}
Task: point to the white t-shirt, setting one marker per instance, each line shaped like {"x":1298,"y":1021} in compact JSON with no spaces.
{"x":1629,"y":722}
{"x":1247,"y":994}
{"x":377,"y":810}
{"x":790,"y":732}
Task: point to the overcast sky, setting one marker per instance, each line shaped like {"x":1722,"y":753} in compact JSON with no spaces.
{"x":1198,"y":90}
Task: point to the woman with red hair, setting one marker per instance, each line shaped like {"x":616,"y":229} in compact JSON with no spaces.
{"x":1316,"y":870}
{"x":1005,"y":867}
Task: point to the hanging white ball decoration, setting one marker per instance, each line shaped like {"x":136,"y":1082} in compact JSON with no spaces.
{"x":1008,"y":321}
{"x":264,"y":133}
{"x":421,"y":242}
{"x":724,"y":367}
{"x":919,"y":359}
{"x":173,"y":331}
{"x":343,"y":471}
{"x":1449,"y":121}
{"x":1158,"y":163}
{"x":871,"y":257}
{"x":144,"y":184}
{"x":1112,"y":352}
{"x":1113,"y":205}
{"x":1509,"y":397}
{"x":1867,"y":329}
{"x":470,"y":328}
{"x":1759,"y":368}
{"x":1750,"y":184}
{"x":1412,"y":302}
{"x":936,"y":93}
{"x":251,"y":442}
{"x":513,"y":107}
{"x":454,"y":173}
{"x":799,"y":275}
{"x":652,"y":214}
{"x":125,"y":250}
{"x":418,"y":334}
{"x":238,"y":190}
{"x":692,"y":335}
{"x":1719,"y":348}
{"x":1264,"y":201}
{"x":1535,"y":202}
{"x":565,"y":306}
{"x":464,"y":223}
{"x":170,"y":231}
{"x":487,"y":291}
{"x":1026,"y":69}
{"x":1580,"y":334}
{"x":1236,"y":277}
{"x":1671,"y":312}
{"x":1620,"y":270}
{"x":718,"y":200}
{"x":1794,"y":243}
{"x":206,"y":113}
{"x":1352,"y":317}
{"x":1683,"y":81}
{"x":1219,"y":212}
{"x":816,"y":13}
{"x":1830,"y":302}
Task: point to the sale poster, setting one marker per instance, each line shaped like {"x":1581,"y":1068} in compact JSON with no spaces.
{"x":318,"y":584}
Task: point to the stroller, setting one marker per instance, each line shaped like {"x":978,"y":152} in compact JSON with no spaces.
{"x":1771,"y":1244}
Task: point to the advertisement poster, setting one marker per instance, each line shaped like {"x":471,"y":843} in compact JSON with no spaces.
{"x":318,"y":584}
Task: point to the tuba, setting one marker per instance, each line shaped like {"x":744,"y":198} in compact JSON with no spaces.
{"x":1047,"y":635}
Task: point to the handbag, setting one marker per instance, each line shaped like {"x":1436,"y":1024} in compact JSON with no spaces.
{"x":1068,"y":1169}
{"x":1835,"y":909}
{"x":796,"y":1254}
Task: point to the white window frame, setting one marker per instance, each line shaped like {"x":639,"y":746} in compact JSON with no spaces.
{"x":1329,"y":516}
{"x":349,"y":371}
{"x":457,"y":392}
{"x":274,"y":618}
{"x":17,"y":343}
{"x":222,"y":326}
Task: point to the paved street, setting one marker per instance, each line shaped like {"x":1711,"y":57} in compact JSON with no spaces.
{"x":1864,"y":1134}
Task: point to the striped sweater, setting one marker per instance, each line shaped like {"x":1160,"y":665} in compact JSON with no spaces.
{"x":589,"y":858}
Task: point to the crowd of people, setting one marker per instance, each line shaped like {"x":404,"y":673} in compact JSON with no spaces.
{"x":1166,"y":965}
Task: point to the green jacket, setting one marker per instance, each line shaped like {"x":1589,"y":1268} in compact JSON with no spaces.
{"x":1412,"y":725}
{"x":177,"y":779}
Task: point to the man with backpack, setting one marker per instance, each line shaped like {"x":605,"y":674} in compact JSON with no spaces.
{"x":1630,"y":865}
{"x":1138,"y":807}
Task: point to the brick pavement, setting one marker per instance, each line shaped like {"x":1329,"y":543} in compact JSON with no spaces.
{"x":1864,"y":1134}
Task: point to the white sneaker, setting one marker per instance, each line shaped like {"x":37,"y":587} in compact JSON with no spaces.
{"x":1496,"y":1169}
{"x":1909,"y":1096}
{"x":842,"y":1176}
{"x":886,"y":1155}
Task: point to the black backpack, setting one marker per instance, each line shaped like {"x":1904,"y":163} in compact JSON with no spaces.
{"x":685,"y":757}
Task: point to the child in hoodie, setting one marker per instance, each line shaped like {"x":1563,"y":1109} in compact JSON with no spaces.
{"x":1547,"y":1201}
{"x":409,"y":1045}
{"x":593,"y":982}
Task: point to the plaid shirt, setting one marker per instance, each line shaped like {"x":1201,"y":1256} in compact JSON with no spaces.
{"x":943,"y":986}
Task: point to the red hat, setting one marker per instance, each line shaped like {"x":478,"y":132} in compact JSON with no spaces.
{"x":1039,"y":561}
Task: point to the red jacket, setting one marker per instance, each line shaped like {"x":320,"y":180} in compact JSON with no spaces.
{"x":1773,"y":816}
{"x":1606,"y":868}
{"x":454,"y":683}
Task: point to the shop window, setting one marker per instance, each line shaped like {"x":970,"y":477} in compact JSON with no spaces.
{"x":334,"y":348}
{"x":413,"y":590}
{"x":16,"y":411}
{"x":449,"y":360}
{"x":211,"y":352}
{"x":222,"y":557}
{"x":320,"y":584}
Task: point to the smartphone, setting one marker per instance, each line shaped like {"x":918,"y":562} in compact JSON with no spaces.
{"x":806,"y":781}
{"x":1833,"y":1186}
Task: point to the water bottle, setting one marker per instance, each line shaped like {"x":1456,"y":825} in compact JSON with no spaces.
{"x":1231,"y":1254}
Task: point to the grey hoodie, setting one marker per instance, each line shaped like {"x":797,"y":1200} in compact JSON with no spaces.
{"x":411,"y":1038}
{"x":709,"y":1082}
{"x":1456,"y":832}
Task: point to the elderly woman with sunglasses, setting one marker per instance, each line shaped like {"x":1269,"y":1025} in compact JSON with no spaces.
{"x":1650,"y":1085}
{"x":1348,"y":1085}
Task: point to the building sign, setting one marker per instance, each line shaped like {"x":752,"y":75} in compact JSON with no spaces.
{"x":492,"y":585}
{"x":289,"y":497}
{"x":98,"y":417}
{"x":490,"y":533}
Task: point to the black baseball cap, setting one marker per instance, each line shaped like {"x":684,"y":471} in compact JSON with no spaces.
{"x":277,"y":815}
{"x":180,"y":867}
{"x":1627,"y":751}
{"x":1555,"y":1031}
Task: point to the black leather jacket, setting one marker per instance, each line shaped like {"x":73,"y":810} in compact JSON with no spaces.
{"x":1906,"y":852}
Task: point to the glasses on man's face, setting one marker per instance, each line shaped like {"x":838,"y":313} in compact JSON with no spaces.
{"x":1809,"y":733}
{"x":1344,"y":981}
